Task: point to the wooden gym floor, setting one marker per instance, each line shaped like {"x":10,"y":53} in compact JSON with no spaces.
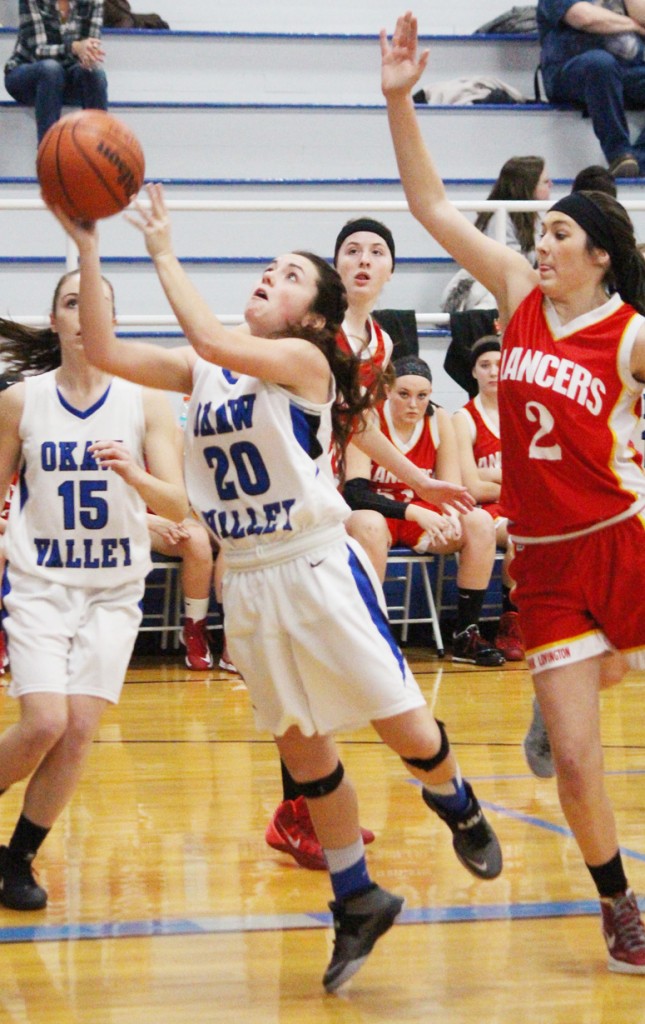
{"x":166,"y":905}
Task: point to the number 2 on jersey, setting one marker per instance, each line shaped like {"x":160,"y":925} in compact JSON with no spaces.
{"x":538,"y":413}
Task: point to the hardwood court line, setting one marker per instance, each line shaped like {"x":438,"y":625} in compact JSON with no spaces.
{"x":531,"y":819}
{"x":245,"y":924}
{"x":549,"y":826}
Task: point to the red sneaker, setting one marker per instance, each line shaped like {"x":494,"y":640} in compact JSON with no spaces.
{"x":198,"y":652}
{"x":509,"y":637}
{"x":291,"y":830}
{"x":624,"y":933}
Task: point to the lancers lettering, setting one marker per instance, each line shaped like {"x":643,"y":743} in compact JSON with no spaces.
{"x":561,"y":375}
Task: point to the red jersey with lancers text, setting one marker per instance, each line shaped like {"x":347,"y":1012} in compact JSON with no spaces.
{"x":421,"y":450}
{"x":569,"y":407}
{"x":487,"y":447}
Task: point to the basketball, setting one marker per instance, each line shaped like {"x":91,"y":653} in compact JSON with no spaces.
{"x":90,"y":164}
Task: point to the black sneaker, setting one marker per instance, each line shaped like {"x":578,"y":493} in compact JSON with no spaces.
{"x":18,"y":887}
{"x":469,"y":646}
{"x":474,"y":841}
{"x":358,"y":922}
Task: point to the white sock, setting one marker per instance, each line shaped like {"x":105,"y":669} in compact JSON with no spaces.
{"x":196,"y":608}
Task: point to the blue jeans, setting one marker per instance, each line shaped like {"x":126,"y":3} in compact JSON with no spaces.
{"x":606,"y":88}
{"x":47,"y":85}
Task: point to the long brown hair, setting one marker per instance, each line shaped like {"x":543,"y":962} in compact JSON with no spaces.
{"x":517,"y":179}
{"x":626,"y":271}
{"x":352,"y":399}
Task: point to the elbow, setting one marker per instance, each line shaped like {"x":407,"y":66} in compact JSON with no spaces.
{"x":181,"y":509}
{"x":176,"y":506}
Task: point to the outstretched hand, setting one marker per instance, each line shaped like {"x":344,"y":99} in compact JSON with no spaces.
{"x":401,"y":66}
{"x":440,"y":492}
{"x":152,"y":221}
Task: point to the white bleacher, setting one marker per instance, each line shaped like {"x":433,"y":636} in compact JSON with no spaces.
{"x":281,"y":68}
{"x":460,"y":16}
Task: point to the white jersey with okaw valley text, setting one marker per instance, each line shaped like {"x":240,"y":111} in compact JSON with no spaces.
{"x":71,"y":521}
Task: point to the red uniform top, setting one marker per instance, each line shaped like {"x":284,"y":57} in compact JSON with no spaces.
{"x":374,"y":357}
{"x":487,"y":447}
{"x":568,"y":409}
{"x":421,"y":450}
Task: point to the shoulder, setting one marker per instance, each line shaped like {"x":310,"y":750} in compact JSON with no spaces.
{"x":462,"y":419}
{"x":12,"y":403}
{"x":157,"y":408}
{"x":443,"y":421}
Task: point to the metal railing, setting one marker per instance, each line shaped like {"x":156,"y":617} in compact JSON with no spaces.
{"x":501,"y":209}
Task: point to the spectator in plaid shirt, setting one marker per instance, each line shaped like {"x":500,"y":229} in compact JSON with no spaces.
{"x":57,"y":58}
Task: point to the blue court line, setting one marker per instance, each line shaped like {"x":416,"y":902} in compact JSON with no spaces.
{"x":530,"y":819}
{"x":226,"y":925}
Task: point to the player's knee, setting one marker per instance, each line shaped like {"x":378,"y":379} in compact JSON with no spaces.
{"x":316,"y":788}
{"x":52,"y":73}
{"x":428,"y":764}
{"x":42,"y":731}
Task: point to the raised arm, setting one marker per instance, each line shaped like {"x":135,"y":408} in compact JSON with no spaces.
{"x":151,"y":365}
{"x":501,"y":270}
{"x":292,"y":362}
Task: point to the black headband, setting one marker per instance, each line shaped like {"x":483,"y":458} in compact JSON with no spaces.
{"x":365,"y":224}
{"x":590,"y":218}
{"x":486,"y":344}
{"x":412,"y":366}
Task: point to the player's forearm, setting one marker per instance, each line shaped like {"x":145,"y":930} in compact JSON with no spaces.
{"x":586,"y":17}
{"x":165,"y":499}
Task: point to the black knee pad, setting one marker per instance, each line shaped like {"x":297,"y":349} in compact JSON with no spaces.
{"x":427,"y":764}
{"x":322,"y":787}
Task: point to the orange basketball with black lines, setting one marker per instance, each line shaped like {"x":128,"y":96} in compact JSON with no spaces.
{"x":90,"y":164}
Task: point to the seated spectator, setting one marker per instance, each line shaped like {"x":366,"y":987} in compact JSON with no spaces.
{"x":595,"y":179}
{"x":57,"y":58}
{"x":592,"y":56}
{"x":190,"y":542}
{"x":480,"y":460}
{"x":424,"y":433}
{"x":521,"y":177}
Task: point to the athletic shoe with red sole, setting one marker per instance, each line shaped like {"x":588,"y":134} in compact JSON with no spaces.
{"x":194,"y":636}
{"x":624,"y":933}
{"x":509,"y":637}
{"x":291,"y":831}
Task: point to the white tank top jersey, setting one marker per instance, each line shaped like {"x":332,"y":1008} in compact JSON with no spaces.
{"x":257,"y":465}
{"x":72,"y":522}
